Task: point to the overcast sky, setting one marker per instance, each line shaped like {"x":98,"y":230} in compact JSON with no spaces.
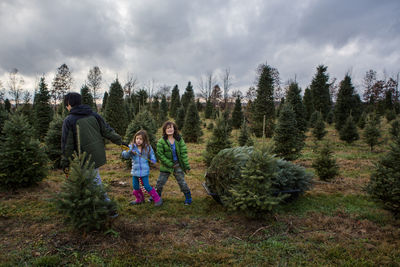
{"x":173,"y":42}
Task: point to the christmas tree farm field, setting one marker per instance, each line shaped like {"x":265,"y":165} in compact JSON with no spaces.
{"x":334,"y":223}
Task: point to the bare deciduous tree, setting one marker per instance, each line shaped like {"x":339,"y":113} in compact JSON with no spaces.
{"x":131,"y":83}
{"x":227,"y":85}
{"x":62,"y":83}
{"x":206,"y":84}
{"x":368,"y":82}
{"x":164,"y":90}
{"x":94,"y":82}
{"x":15,"y":84}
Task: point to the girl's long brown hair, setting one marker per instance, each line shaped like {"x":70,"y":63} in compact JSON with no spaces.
{"x":146,"y":143}
{"x":164,"y":128}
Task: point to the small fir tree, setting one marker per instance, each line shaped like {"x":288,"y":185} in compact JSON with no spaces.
{"x":191,"y":131}
{"x":53,"y":141}
{"x":330,"y":117}
{"x":219,"y":139}
{"x":319,"y":128}
{"x":22,"y":160}
{"x":188,"y":96}
{"x":390,"y":115}
{"x":237,"y":114}
{"x":314,"y":118}
{"x":395,"y":128}
{"x":142,"y":121}
{"x":199,"y":106}
{"x":43,"y":112}
{"x":82,"y":199}
{"x":163,"y":116}
{"x":308,"y":104}
{"x":320,"y":91}
{"x":129,"y":108}
{"x":208,"y":112}
{"x":87,"y":98}
{"x":210,"y":126}
{"x":384,"y":184}
{"x":294,"y":98}
{"x":7,"y":105}
{"x":362,"y":121}
{"x":115,"y":115}
{"x":325,"y":164}
{"x":180,"y":120}
{"x":349,"y":131}
{"x":244,"y":138}
{"x":372,"y":132}
{"x":155,"y":109}
{"x":175,"y":102}
{"x":288,"y":139}
{"x":3,"y":119}
{"x":104,"y":104}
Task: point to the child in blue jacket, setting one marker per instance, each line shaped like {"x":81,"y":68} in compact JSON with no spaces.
{"x":141,"y":153}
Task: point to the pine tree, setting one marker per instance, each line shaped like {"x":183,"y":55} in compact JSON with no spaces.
{"x":129,"y":107}
{"x":7,"y":105}
{"x":264,"y":103}
{"x":325,"y":164}
{"x":22,"y":160}
{"x":288,"y":139}
{"x":199,"y":106}
{"x":142,"y":121}
{"x":362,"y":120}
{"x":191,"y":131}
{"x":390,"y":115}
{"x":293,"y":97}
{"x":175,"y":102}
{"x":320,"y":91}
{"x":210,"y":126}
{"x":43,"y":112}
{"x":82,"y":200}
{"x":180,"y":120}
{"x":155,"y":109}
{"x":53,"y":141}
{"x":330,"y":117}
{"x":319,"y":128}
{"x":346,"y":103}
{"x":314,"y":118}
{"x":87,"y":98}
{"x":349,"y":131}
{"x":114,"y":114}
{"x":3,"y":119}
{"x":395,"y":128}
{"x":163,"y":116}
{"x":237,"y":114}
{"x":372,"y":132}
{"x":219,"y":139}
{"x":384,"y":184}
{"x":244,"y":138}
{"x":104,"y":104}
{"x":188,"y":96}
{"x":208,"y":110}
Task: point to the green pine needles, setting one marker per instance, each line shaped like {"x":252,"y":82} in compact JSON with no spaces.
{"x":82,"y":199}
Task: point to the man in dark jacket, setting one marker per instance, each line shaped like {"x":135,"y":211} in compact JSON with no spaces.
{"x":92,"y":130}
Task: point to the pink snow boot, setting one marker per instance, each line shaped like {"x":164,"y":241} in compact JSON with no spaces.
{"x":139,"y":197}
{"x":157,"y":199}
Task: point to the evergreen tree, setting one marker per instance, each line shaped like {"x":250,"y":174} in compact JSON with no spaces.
{"x":395,"y":128}
{"x":237,"y":114}
{"x":219,"y":139}
{"x":188,"y":96}
{"x":384,"y":184}
{"x":175,"y":102}
{"x":325,"y":164}
{"x":210,"y":126}
{"x":199,"y":106}
{"x":22,"y":160}
{"x":372,"y":132}
{"x":7,"y":105}
{"x":3,"y":119}
{"x":314,"y":118}
{"x":87,"y":98}
{"x":362,"y":120}
{"x":114,"y":115}
{"x":163,"y":116}
{"x":244,"y":138}
{"x":264,"y":103}
{"x":129,"y":107}
{"x":319,"y":128}
{"x":349,"y":131}
{"x":347,"y":103}
{"x":191,"y":131}
{"x":281,"y":104}
{"x":330,"y":117}
{"x":289,"y":140}
{"x":155,"y":109}
{"x":53,"y":141}
{"x":180,"y":120}
{"x":82,"y":200}
{"x":293,"y":97}
{"x":142,"y":121}
{"x":141,"y":97}
{"x":208,"y":110}
{"x":43,"y":112}
{"x":320,"y":91}
{"x":104,"y":104}
{"x":390,"y":115}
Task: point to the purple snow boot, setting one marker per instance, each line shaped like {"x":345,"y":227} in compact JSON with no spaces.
{"x":139,"y":197}
{"x":157,"y":199}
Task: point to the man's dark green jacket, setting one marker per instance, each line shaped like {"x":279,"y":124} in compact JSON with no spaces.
{"x":92,"y":131}
{"x":164,"y":154}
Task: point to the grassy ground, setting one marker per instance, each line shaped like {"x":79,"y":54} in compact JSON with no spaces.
{"x":333,"y":224}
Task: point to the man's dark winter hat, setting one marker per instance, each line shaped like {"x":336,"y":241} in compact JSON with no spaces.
{"x":74,"y":99}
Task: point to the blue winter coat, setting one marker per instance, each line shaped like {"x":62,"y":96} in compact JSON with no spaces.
{"x":140,"y":165}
